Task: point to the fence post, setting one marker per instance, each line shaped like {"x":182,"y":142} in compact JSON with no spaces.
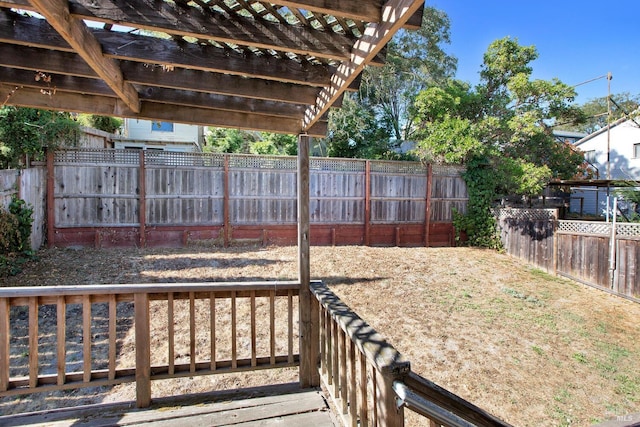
{"x":389,"y":414}
{"x":142,"y":200}
{"x":427,"y":213}
{"x":226,"y":226}
{"x":367,"y":203}
{"x":143,"y":350}
{"x":556,"y":216}
{"x":51,"y":217}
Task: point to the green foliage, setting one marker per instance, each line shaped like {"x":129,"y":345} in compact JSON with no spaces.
{"x":15,"y":231}
{"x":104,"y":123}
{"x":501,"y":130}
{"x":220,"y":140}
{"x":29,"y":131}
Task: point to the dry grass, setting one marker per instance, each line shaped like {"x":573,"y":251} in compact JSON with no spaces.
{"x":529,"y":348}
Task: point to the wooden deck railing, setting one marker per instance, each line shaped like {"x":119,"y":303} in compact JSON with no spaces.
{"x":371,"y":383}
{"x":77,"y":336}
{"x":56,"y":338}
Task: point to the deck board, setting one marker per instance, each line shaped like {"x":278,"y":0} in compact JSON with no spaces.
{"x":300,"y":407}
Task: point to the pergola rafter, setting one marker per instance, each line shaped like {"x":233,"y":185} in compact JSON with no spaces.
{"x":276,"y":66}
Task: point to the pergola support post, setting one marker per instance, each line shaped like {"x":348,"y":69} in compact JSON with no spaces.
{"x":309,"y":309}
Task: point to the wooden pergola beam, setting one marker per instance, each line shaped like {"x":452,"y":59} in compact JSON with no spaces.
{"x":56,"y":83}
{"x":173,"y":20}
{"x":67,"y":63}
{"x":34,"y":32}
{"x":364,"y":10}
{"x":395,"y":14}
{"x":109,"y":106}
{"x":76,"y":33}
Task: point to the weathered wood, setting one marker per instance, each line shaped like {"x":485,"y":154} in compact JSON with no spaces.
{"x":342,"y":344}
{"x":143,"y":350}
{"x":212,"y":328}
{"x":364,"y":404}
{"x":76,"y":33}
{"x":192,"y":332}
{"x":353,"y":401}
{"x":86,"y":338}
{"x":33,"y":342}
{"x":234,"y":353}
{"x":113,"y":337}
{"x":272,"y":326}
{"x":5,"y":352}
{"x":51,"y":222}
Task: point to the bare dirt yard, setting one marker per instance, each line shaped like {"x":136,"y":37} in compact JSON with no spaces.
{"x":530,"y":348}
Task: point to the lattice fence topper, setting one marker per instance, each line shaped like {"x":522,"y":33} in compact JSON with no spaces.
{"x":88,"y":155}
{"x":170,"y":158}
{"x":627,"y":229}
{"x":584,"y":227}
{"x":263,"y":162}
{"x":413,"y":168}
{"x":448,"y":170}
{"x":525,"y":214}
{"x":342,"y":165}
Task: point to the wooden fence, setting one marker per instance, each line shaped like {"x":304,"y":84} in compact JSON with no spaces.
{"x":28,"y":185}
{"x":580,"y":250}
{"x":132,"y":197}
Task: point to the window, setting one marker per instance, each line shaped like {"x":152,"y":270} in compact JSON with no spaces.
{"x":590,"y":156}
{"x":636,"y":151}
{"x":162,"y":126}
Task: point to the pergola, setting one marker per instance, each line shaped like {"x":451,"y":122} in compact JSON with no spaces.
{"x":271,"y":66}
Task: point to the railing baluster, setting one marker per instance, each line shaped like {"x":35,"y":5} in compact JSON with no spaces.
{"x":86,"y":338}
{"x":234,"y":354}
{"x":143,"y":350}
{"x":171,"y":333}
{"x":253,"y":328}
{"x":329,"y":329}
{"x":272,"y":327}
{"x":290,"y":326}
{"x":33,"y":342}
{"x":5,"y":352}
{"x":353,"y":405}
{"x":374,"y":396}
{"x":212,"y":328}
{"x":192,"y":332}
{"x":364,"y":407}
{"x":336,"y":351}
{"x":343,"y":371}
{"x":323,"y":341}
{"x":113,"y":335}
{"x":61,"y":339}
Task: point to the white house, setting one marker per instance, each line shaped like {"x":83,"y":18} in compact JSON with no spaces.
{"x":614,"y":153}
{"x":163,"y":136}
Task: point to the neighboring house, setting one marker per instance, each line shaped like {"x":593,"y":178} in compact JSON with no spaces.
{"x":162,"y":136}
{"x":568,"y":136}
{"x":620,"y":143}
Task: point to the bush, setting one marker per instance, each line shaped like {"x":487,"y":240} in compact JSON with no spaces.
{"x":15,"y":233}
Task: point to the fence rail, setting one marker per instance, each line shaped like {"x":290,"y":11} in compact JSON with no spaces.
{"x":586,"y":251}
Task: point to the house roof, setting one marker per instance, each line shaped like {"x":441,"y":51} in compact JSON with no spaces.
{"x":272,"y":66}
{"x":610,"y":126}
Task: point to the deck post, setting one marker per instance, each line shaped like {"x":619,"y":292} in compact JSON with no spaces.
{"x":143,"y":350}
{"x":389,"y":413}
{"x":309,"y":326}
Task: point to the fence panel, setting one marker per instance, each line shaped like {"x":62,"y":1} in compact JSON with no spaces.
{"x":115,"y":197}
{"x":8,"y":180}
{"x":580,"y":250}
{"x":33,"y":190}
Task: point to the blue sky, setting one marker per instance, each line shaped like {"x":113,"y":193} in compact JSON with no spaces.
{"x":576,"y":40}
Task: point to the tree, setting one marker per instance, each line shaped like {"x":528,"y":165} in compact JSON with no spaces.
{"x":415,"y":60}
{"x":221,"y":140}
{"x":354,"y":131}
{"x":502,"y":131}
{"x":104,"y":123}
{"x":596,"y":112}
{"x":29,"y":132}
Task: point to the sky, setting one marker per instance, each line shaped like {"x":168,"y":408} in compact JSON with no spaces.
{"x":576,"y":40}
